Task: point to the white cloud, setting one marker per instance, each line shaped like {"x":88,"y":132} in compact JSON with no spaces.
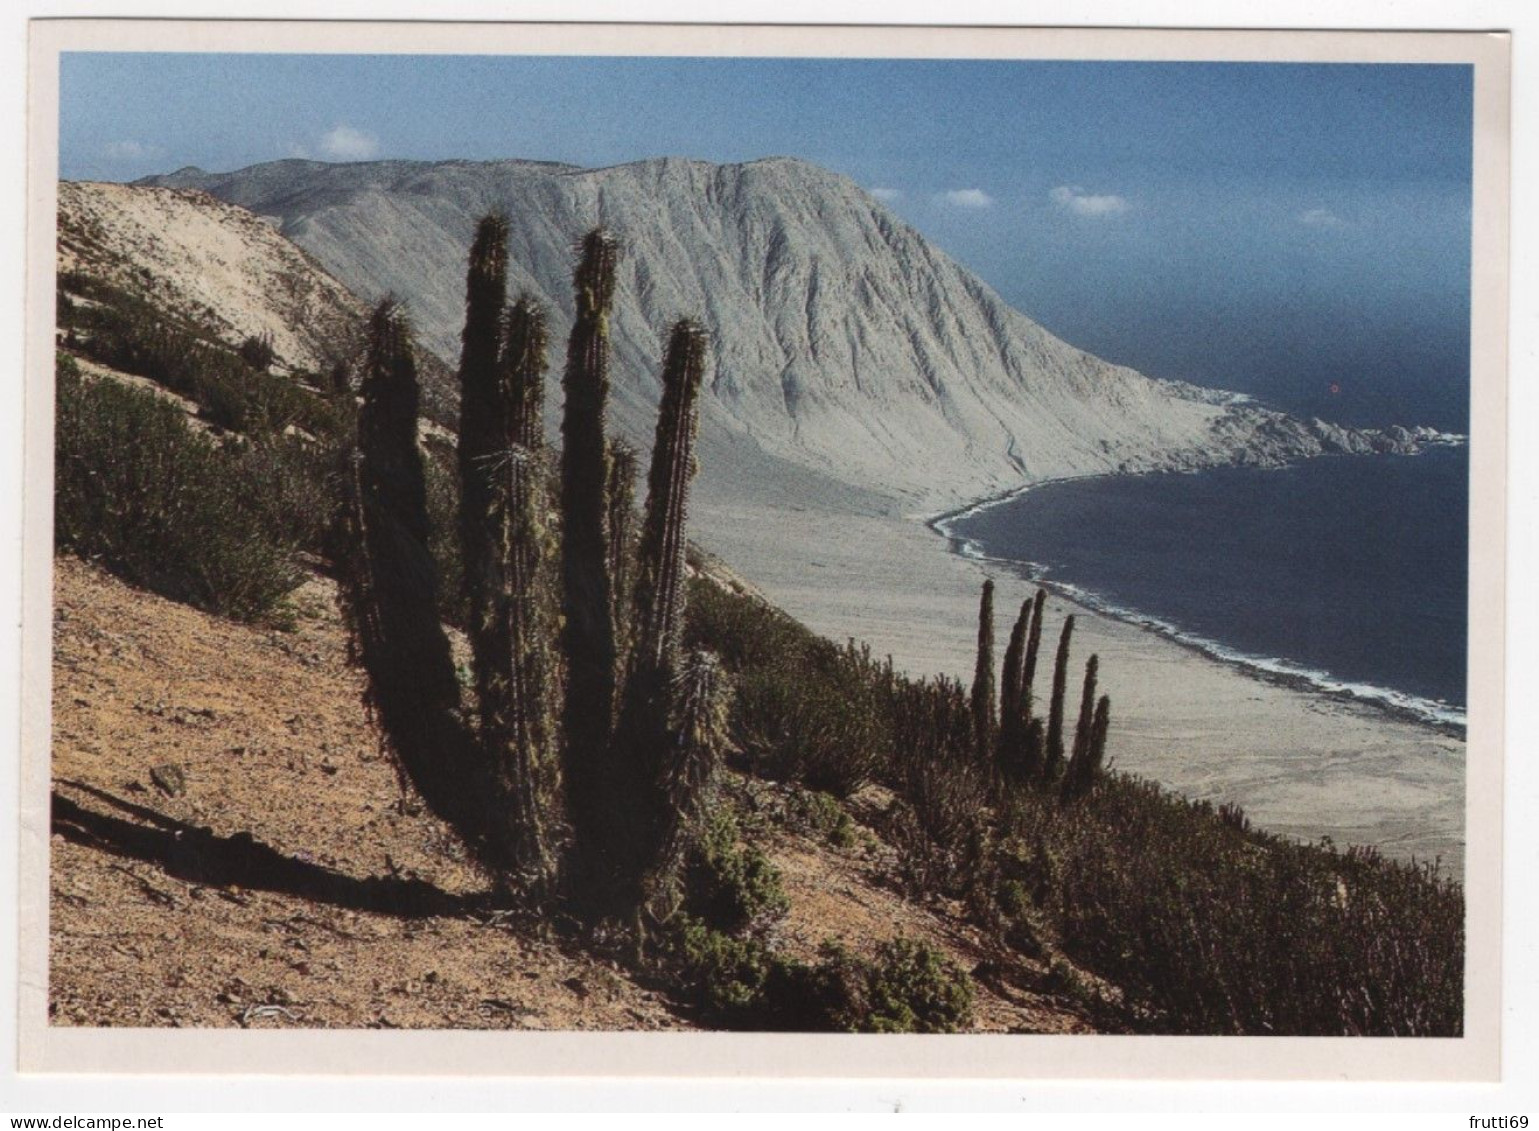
{"x":344,"y":143}
{"x":887,"y":194}
{"x":130,"y":150}
{"x":1321,"y":218}
{"x":1082,"y":203}
{"x":967,"y":198}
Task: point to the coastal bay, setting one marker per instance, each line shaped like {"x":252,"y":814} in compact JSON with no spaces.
{"x":1301,"y":762}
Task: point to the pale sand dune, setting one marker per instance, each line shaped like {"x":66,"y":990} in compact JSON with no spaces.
{"x":1300,"y":763}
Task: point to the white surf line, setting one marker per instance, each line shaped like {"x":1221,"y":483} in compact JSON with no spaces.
{"x":1434,"y":713}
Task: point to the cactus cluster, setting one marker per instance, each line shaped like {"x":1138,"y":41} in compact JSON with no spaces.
{"x":1024,"y":748}
{"x":619,"y":767}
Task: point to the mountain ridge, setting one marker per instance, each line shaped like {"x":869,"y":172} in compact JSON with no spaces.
{"x":846,"y":344}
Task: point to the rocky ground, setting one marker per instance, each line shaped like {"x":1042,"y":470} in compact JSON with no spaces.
{"x":232,"y":848}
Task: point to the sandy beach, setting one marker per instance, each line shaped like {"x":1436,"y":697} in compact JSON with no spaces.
{"x":1301,"y":763}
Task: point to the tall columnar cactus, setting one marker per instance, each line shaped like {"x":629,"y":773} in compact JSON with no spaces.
{"x":1077,"y":776}
{"x":1098,"y":735}
{"x":1033,"y":645}
{"x":984,"y":719}
{"x":390,"y":595}
{"x":1053,"y":755}
{"x":1078,"y":783}
{"x":647,"y":735}
{"x":659,"y":600}
{"x":511,"y":642}
{"x":1015,"y":655}
{"x":502,"y":367}
{"x":1012,"y":721}
{"x":633,"y":796}
{"x":1036,"y":750}
{"x":483,"y":417}
{"x":1086,"y":707}
{"x":595,"y":800}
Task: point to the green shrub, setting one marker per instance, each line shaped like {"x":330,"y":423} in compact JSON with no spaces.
{"x":138,"y":491}
{"x":743,"y":984}
{"x":744,"y":632}
{"x":730,"y":885}
{"x":1207,"y":928}
{"x":257,"y":351}
{"x":806,"y":710}
{"x":814,"y":716}
{"x":911,"y":987}
{"x":821,"y":815}
{"x":941,"y":829}
{"x":301,"y":488}
{"x":1012,"y":898}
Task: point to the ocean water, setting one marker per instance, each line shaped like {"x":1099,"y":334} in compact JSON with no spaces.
{"x":1346,"y":573}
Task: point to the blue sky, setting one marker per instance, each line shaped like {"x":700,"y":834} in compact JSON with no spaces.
{"x":1299,"y":231}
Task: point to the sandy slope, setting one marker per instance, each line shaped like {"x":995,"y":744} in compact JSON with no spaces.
{"x":1300,"y":763}
{"x":209,"y":263}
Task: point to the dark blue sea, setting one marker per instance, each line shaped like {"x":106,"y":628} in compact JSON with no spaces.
{"x":1348,"y":573}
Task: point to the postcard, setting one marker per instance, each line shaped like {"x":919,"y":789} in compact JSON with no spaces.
{"x":642,"y":549}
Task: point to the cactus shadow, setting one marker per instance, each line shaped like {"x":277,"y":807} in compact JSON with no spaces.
{"x":198,"y":855}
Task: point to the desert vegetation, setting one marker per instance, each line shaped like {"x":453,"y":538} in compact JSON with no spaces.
{"x":614,"y":692}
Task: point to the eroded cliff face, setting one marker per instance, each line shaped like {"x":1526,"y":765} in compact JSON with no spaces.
{"x":844,"y":344}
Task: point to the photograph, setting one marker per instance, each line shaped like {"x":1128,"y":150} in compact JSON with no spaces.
{"x":589,"y":530}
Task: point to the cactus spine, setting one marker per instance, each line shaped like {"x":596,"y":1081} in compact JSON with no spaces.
{"x":620,"y":494}
{"x":984,"y":719}
{"x":390,"y":595}
{"x":1053,"y":755}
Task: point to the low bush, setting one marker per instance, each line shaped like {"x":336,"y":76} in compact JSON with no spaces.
{"x":821,"y":815}
{"x":814,"y":716}
{"x":730,"y":885}
{"x":1208,"y":928}
{"x":743,"y":984}
{"x":747,"y":634}
{"x":136,"y":490}
{"x":806,"y":710}
{"x":231,"y":387}
{"x":909,"y":987}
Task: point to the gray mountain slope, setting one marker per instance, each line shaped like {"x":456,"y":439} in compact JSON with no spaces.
{"x":846,"y":346}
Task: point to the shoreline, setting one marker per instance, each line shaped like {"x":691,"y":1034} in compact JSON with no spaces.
{"x":1301,"y":762}
{"x":1278,"y":671}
